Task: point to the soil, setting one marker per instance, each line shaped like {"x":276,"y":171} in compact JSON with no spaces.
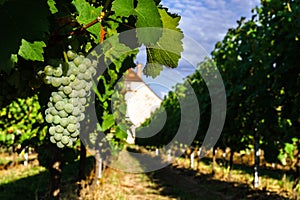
{"x":176,"y":181}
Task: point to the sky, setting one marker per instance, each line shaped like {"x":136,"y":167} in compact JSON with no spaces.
{"x":207,"y":21}
{"x":204,"y":23}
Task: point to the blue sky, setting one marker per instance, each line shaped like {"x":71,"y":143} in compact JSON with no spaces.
{"x":204,"y":23}
{"x":207,"y":21}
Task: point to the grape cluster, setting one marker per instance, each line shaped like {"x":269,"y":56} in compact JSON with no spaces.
{"x":66,"y":106}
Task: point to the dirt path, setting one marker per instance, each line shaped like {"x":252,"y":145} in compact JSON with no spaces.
{"x":170,"y":183}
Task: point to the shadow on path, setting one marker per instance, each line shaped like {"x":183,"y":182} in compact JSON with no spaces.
{"x":181,"y":183}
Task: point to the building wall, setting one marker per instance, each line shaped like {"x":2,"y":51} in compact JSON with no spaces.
{"x":141,"y":102}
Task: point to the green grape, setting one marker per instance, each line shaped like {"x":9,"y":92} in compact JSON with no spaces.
{"x":56,"y":119}
{"x":83,"y":83}
{"x":78,"y":60}
{"x":49,"y":118}
{"x":66,"y":132}
{"x":50,"y":104}
{"x":63,"y":113}
{"x":81,"y":76}
{"x":82,"y":109}
{"x":60,"y":145}
{"x":76,"y":111}
{"x":48,"y":70}
{"x":73,"y":139}
{"x":79,"y":86}
{"x":65,"y":140}
{"x":59,"y":105}
{"x":88,"y":86}
{"x":56,"y":97}
{"x":82,"y":101}
{"x":62,"y":94}
{"x":58,"y":136}
{"x":52,"y":139}
{"x":72,"y":77}
{"x":71,"y":55}
{"x":59,"y":129}
{"x":56,"y":82}
{"x":82,"y":68}
{"x":47,"y":79}
{"x":87,"y":62}
{"x":71,"y":128}
{"x":58,"y":72}
{"x":53,"y":111}
{"x":74,"y":71}
{"x":72,"y":119}
{"x":75,"y":134}
{"x":64,"y":122}
{"x":75,"y":82}
{"x":92,"y":71}
{"x":67,"y":89}
{"x":52,"y":130}
{"x":74,"y":101}
{"x":66,"y":105}
{"x":87,"y":75}
{"x":69,"y":108}
{"x":73,"y":94}
{"x":82,"y":93}
{"x":81,"y":117}
{"x":65,"y":80}
{"x":47,"y":111}
{"x":71,"y":66}
{"x":70,"y":144}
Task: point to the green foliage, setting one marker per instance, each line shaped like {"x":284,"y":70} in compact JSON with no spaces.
{"x":259,"y":63}
{"x":147,"y":15}
{"x":51,"y":27}
{"x":175,"y":109}
{"x":86,"y":14}
{"x":167,"y":51}
{"x":21,"y":123}
{"x":32,"y":27}
{"x":32,"y":51}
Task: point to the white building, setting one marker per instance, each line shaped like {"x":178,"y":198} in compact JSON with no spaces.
{"x":141,"y":100}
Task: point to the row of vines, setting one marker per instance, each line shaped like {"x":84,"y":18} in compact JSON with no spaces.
{"x":259,"y":64}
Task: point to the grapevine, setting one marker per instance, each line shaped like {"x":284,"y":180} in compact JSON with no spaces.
{"x":66,"y":105}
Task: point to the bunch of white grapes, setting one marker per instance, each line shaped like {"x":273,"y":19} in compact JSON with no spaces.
{"x":66,"y":106}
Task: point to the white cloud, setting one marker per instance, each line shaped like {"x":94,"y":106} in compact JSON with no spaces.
{"x":207,"y":21}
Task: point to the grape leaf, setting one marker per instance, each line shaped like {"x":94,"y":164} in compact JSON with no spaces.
{"x":152,"y":69}
{"x":120,"y":133}
{"x":167,"y":51}
{"x":108,"y":121}
{"x":147,"y":15}
{"x":21,"y":19}
{"x":116,"y":52}
{"x":86,"y":14}
{"x":123,"y":8}
{"x":52,"y":7}
{"x":32,"y":51}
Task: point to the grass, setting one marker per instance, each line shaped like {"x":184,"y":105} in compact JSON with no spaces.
{"x":19,"y":172}
{"x":21,"y":182}
{"x":32,"y":182}
{"x":277,"y":181}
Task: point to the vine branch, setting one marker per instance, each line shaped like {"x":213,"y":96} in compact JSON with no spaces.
{"x":95,"y":21}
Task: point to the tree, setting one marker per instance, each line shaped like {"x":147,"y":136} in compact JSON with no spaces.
{"x":258,"y":62}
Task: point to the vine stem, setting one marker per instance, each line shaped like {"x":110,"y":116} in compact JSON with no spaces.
{"x":95,"y":21}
